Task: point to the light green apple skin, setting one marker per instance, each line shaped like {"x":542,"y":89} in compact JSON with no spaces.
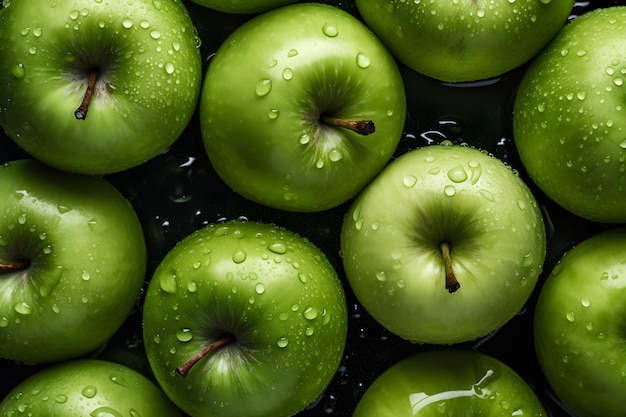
{"x":391,"y":235}
{"x":145,"y":94}
{"x":579,"y":326}
{"x":87,"y":387}
{"x":458,"y":41}
{"x":263,"y":95}
{"x":569,"y":117}
{"x":243,"y":6}
{"x":87,"y":262}
{"x":459,"y":383}
{"x":275,"y":292}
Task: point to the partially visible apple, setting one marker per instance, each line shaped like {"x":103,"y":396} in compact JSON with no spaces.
{"x":301,"y":107}
{"x":445,"y":245}
{"x":72,"y":262}
{"x":458,"y":383}
{"x":465,"y":40}
{"x":580,"y":323}
{"x":87,"y":387}
{"x":244,"y":319}
{"x":243,"y":6}
{"x":569,"y":117}
{"x":97,"y":87}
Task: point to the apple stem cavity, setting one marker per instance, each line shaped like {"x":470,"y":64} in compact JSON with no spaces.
{"x":452,"y":284}
{"x":81,"y":112}
{"x":184,"y":369}
{"x":13,"y":266}
{"x":362,"y":127}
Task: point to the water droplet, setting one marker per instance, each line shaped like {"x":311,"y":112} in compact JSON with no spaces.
{"x":589,"y":326}
{"x":335,"y":155}
{"x":302,"y":277}
{"x":304,"y":139}
{"x":23,"y":308}
{"x":105,"y":412}
{"x":18,"y":71}
{"x":278,"y":247}
{"x":457,"y":174}
{"x":239,"y":256}
{"x":25,"y":31}
{"x":273,"y":114}
{"x":570,"y":316}
{"x":409,"y":181}
{"x":263,"y":87}
{"x":155,"y":34}
{"x":282,"y":342}
{"x":74,"y":14}
{"x":585,"y":302}
{"x":22,"y":219}
{"x":292,"y":52}
{"x":144,"y":24}
{"x":330,"y":30}
{"x":63,"y":209}
{"x":118,"y":380}
{"x":449,"y":190}
{"x":362,"y":60}
{"x":310,"y":313}
{"x":60,"y":398}
{"x":623,"y":144}
{"x":487,"y":195}
{"x":287,"y":74}
{"x":169,"y":68}
{"x":618,"y":81}
{"x":127,"y":23}
{"x":85,"y":276}
{"x":480,"y":13}
{"x":541,"y":107}
{"x":89,"y":391}
{"x":381,"y":276}
{"x":168,"y":283}
{"x":47,"y":250}
{"x":184,"y":335}
{"x":259,"y":288}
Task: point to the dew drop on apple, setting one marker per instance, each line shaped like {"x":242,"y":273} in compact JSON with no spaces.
{"x":61,"y":399}
{"x":25,"y":31}
{"x":487,"y":195}
{"x":4,"y":322}
{"x":330,"y":30}
{"x":259,"y":288}
{"x":457,"y":174}
{"x":362,"y":60}
{"x":282,"y":342}
{"x":310,"y":313}
{"x":239,"y":256}
{"x":263,"y":87}
{"x":85,"y":276}
{"x":18,"y":71}
{"x":155,"y":34}
{"x":74,"y":14}
{"x":409,"y":181}
{"x":89,"y":391}
{"x":287,"y":74}
{"x":570,"y":316}
{"x":168,"y":283}
{"x":105,"y":412}
{"x":23,"y":308}
{"x":127,"y":23}
{"x":449,"y":190}
{"x":273,"y":114}
{"x":304,"y":139}
{"x":184,"y":335}
{"x":144,"y":24}
{"x":277,"y":247}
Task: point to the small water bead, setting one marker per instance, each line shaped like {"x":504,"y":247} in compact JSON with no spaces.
{"x":74,"y":14}
{"x":623,"y":144}
{"x":409,"y":181}
{"x":105,"y":412}
{"x":282,"y":342}
{"x":85,"y":276}
{"x":23,"y":308}
{"x":89,"y":391}
{"x":61,"y":399}
{"x":304,"y":139}
{"x":487,"y":195}
{"x":570,"y":316}
{"x":457,"y":174}
{"x":381,"y":276}
{"x":144,"y":24}
{"x":287,"y":74}
{"x":263,"y":87}
{"x":292,"y":52}
{"x":239,"y":256}
{"x":169,"y":68}
{"x":277,"y":247}
{"x":362,"y":60}
{"x":618,"y":81}
{"x":168,"y":283}
{"x":585,"y":302}
{"x":310,"y":313}
{"x":32,"y":50}
{"x":330,"y":30}
{"x":127,"y":23}
{"x":155,"y":34}
{"x":449,"y":190}
{"x":259,"y":288}
{"x":184,"y":335}
{"x":18,"y":71}
{"x":273,"y":114}
{"x":22,"y":218}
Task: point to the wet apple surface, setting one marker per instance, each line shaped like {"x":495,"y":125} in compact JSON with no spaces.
{"x":179,"y":192}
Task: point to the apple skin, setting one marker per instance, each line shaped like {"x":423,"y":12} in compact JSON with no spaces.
{"x":264,"y":93}
{"x":458,"y":41}
{"x":146,"y":92}
{"x":460,"y":383}
{"x":579,"y":326}
{"x":87,"y":387}
{"x":243,"y":6}
{"x":87,"y":259}
{"x":274,"y":292}
{"x":391,"y":235}
{"x":569,"y":117}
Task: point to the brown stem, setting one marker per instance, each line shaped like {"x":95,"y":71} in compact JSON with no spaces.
{"x":362,"y":127}
{"x":81,"y":112}
{"x":184,"y":369}
{"x":451,"y":282}
{"x":13,"y":266}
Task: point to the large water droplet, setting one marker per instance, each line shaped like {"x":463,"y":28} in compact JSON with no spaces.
{"x":277,"y":247}
{"x":263,"y":87}
{"x":89,"y":391}
{"x":105,"y":412}
{"x":259,"y":288}
{"x":457,"y":174}
{"x":330,"y":30}
{"x":127,"y":23}
{"x":362,"y":60}
{"x":287,"y":74}
{"x":449,"y":190}
{"x":239,"y":256}
{"x":168,"y":283}
{"x":282,"y":342}
{"x":310,"y":313}
{"x":184,"y":335}
{"x":18,"y":71}
{"x":409,"y":181}
{"x":23,"y":308}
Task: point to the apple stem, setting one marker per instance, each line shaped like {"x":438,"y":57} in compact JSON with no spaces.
{"x":13,"y":266}
{"x":362,"y":127}
{"x":451,"y":282}
{"x":184,"y":369}
{"x":81,"y":112}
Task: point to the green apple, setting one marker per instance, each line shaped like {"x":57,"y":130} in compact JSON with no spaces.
{"x":459,"y":41}
{"x":445,"y":245}
{"x":569,"y":117}
{"x":301,"y":107}
{"x":459,"y":383}
{"x":97,"y":86}
{"x":244,"y":318}
{"x":72,"y":262}
{"x":579,"y":326}
{"x":87,"y":387}
{"x":243,"y":6}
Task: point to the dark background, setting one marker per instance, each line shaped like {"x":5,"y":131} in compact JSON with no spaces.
{"x":178,"y":192}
